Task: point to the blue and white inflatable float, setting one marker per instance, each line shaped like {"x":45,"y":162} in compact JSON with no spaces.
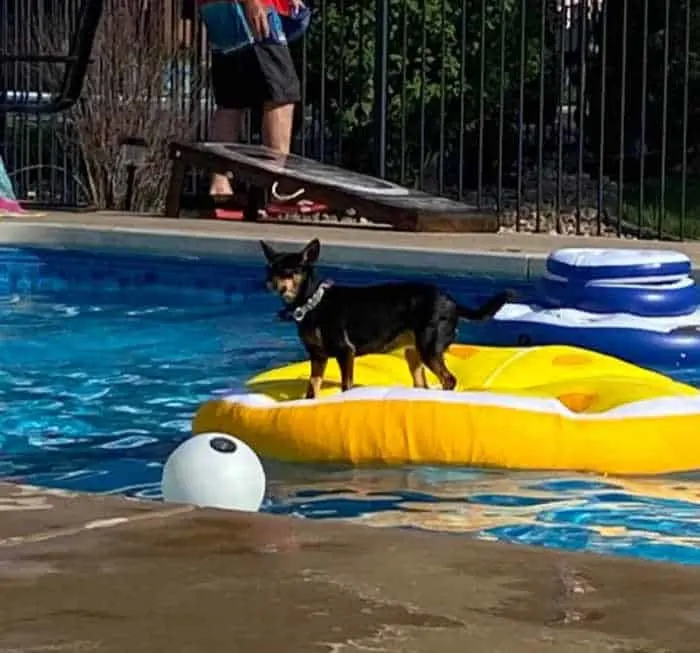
{"x":638,"y":305}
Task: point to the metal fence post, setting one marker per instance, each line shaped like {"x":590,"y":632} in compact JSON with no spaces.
{"x":381,"y":86}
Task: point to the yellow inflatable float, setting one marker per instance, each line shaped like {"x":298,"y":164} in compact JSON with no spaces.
{"x":556,"y":408}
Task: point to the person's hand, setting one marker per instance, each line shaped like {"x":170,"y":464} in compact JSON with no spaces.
{"x":257,"y":18}
{"x":297,"y":5}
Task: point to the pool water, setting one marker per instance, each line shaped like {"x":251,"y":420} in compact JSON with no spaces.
{"x":104,"y":360}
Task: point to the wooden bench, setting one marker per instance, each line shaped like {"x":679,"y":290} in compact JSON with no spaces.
{"x":258,"y":168}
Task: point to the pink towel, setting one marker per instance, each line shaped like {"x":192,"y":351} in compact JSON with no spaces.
{"x":10,"y":207}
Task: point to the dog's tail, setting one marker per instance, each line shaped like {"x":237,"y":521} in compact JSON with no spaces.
{"x":488,"y":309}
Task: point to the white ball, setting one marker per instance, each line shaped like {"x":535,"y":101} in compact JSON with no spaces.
{"x":214,"y":470}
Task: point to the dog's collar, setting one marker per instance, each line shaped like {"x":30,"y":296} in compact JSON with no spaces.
{"x":300,"y":312}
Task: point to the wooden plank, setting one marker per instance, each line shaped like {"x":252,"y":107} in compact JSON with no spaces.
{"x":377,"y":199}
{"x":173,"y":199}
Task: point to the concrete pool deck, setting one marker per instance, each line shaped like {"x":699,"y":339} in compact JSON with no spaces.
{"x":90,"y":573}
{"x":87,"y":573}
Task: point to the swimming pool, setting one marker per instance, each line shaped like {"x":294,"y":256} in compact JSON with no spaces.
{"x":105,"y":358}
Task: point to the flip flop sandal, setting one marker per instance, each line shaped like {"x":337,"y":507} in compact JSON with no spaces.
{"x":225,"y":207}
{"x":228,"y":214}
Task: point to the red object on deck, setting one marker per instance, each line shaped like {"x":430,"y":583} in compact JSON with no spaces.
{"x":274,"y":210}
{"x":228,"y":214}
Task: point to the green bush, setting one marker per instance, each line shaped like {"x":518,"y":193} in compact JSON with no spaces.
{"x":671,"y":222}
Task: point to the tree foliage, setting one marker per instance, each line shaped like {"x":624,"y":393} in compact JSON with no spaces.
{"x":434,"y":78}
{"x":625,"y":67}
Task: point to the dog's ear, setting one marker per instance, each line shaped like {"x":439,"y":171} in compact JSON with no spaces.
{"x":311,"y":252}
{"x":268,"y":251}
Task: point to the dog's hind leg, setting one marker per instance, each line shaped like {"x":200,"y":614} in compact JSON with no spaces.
{"x":432,"y":343}
{"x":346,"y":363}
{"x":436,"y":364}
{"x":415,"y":365}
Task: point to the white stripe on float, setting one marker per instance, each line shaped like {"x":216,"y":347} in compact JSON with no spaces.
{"x":627,"y":282}
{"x":570,"y":318}
{"x":594,"y":257}
{"x":659,"y":407}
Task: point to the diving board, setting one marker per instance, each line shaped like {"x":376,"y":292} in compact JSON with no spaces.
{"x":378,"y":200}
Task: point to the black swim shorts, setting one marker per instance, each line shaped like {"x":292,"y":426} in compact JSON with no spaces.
{"x":251,"y":77}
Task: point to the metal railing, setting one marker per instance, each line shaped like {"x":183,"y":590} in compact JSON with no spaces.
{"x":564,"y":115}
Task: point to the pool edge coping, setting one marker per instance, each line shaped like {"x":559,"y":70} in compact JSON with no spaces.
{"x":351,"y":247}
{"x":149,"y":240}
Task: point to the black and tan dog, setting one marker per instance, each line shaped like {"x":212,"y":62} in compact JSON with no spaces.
{"x":343,"y":322}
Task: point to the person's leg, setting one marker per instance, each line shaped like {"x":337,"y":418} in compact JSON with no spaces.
{"x":225,"y":128}
{"x":260,"y":77}
{"x":277,"y":120}
{"x":232,"y":95}
{"x":281,"y":91}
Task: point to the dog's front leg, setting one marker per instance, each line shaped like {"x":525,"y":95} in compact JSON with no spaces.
{"x":318,"y":369}
{"x":346,"y":363}
{"x":415,"y":365}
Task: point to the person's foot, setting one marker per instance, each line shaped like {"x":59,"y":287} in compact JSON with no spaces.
{"x":230,"y":206}
{"x":225,"y":199}
{"x":220,"y":185}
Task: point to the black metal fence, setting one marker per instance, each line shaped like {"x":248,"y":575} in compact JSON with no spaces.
{"x":565,"y":115}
